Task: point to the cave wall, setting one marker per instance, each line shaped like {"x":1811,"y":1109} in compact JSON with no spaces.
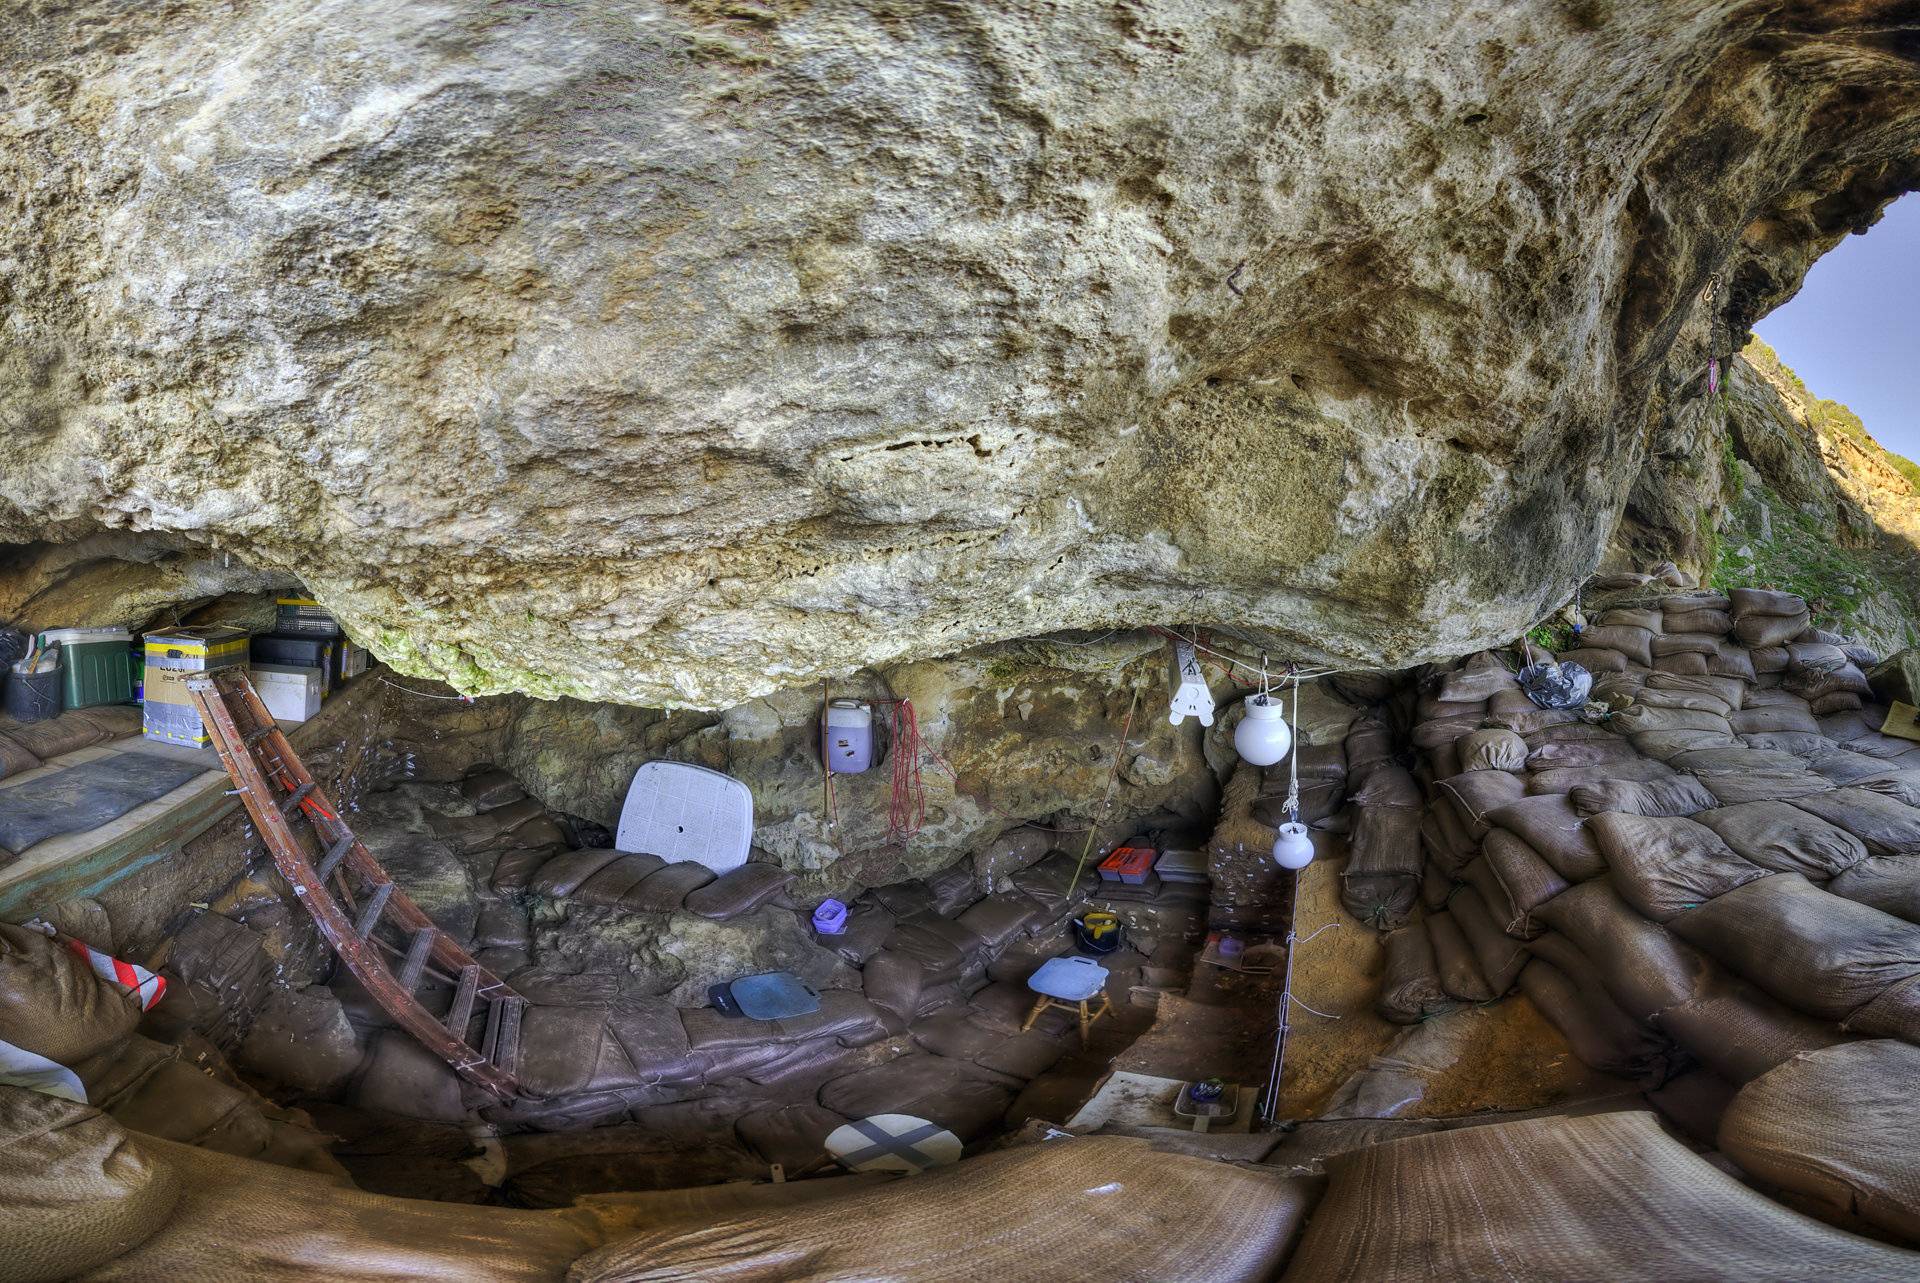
{"x":674,"y":354}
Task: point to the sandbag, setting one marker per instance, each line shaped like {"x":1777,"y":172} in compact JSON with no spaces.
{"x":1550,"y":826}
{"x":1514,"y":711}
{"x":1475,"y":793}
{"x":1410,"y":988}
{"x":1782,"y":837}
{"x":1886,"y":825}
{"x":1715,"y":623}
{"x":1837,"y":1128}
{"x":1601,"y":1035}
{"x":1460,"y":974}
{"x":1844,"y":766}
{"x":1480,"y":677}
{"x":1689,"y":664}
{"x":793,"y":1136}
{"x":1729,"y":691}
{"x":1384,"y":839}
{"x":1773,"y":720}
{"x":1642,"y":965}
{"x":1665,"y":866}
{"x":1382,"y":901}
{"x":1436,"y":886}
{"x":1498,"y":955}
{"x":893,"y":982}
{"x":1732,"y":790}
{"x":1493,"y":750}
{"x":1731,"y":661}
{"x":1662,"y":745}
{"x":738,"y":891}
{"x":1683,"y":642}
{"x":52,"y":1003}
{"x":1632,"y":642}
{"x":1816,"y":952}
{"x":1694,"y":700}
{"x":1574,"y":754}
{"x":960,"y":1098}
{"x":1646,"y":717}
{"x":1889,"y":883}
{"x":1001,"y":917}
{"x":1736,"y":760}
{"x":1740,"y":1032}
{"x":1676,"y":795}
{"x":1438,"y":731}
{"x":1370,"y":744}
{"x":15,"y":757}
{"x":1761,"y":631}
{"x":1566,"y":779}
{"x":1834,"y":702}
{"x":76,"y":1191}
{"x":1748,"y":602}
{"x":1594,"y":659}
{"x":489,"y":788}
{"x":1607,"y":1196}
{"x":1650,"y":618}
{"x":1525,"y":877}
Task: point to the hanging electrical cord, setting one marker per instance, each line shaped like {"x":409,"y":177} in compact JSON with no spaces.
{"x":1113,"y":774}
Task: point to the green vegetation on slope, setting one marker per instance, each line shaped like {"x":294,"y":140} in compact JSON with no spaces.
{"x":1826,"y":416}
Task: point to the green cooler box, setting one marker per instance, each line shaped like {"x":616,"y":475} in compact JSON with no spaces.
{"x":93,"y":663}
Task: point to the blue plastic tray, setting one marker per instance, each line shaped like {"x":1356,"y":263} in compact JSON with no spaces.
{"x":776,"y":995}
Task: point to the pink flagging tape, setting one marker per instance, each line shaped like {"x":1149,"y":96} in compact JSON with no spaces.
{"x":146,"y":987}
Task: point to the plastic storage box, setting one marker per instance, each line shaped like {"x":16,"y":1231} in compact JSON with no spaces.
{"x":169,"y":713}
{"x":93,"y":664}
{"x":297,"y":652}
{"x":1128,"y":864}
{"x":304,"y":615}
{"x":349,"y":660}
{"x":291,"y":694}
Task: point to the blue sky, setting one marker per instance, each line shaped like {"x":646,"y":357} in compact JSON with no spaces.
{"x":1852,"y":333}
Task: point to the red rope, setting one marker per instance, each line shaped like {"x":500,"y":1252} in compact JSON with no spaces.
{"x":907,"y":800}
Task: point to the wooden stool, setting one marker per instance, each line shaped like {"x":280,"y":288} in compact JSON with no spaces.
{"x":1070,"y":983}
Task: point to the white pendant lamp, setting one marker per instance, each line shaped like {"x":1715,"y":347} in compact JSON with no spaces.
{"x":1262,"y":737}
{"x":1293,"y":846}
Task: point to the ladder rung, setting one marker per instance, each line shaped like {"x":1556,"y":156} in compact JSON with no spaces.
{"x":370,"y":912}
{"x":501,"y":1044}
{"x":417,"y":954}
{"x":292,"y":801}
{"x":460,"y":1014}
{"x":335,"y":853}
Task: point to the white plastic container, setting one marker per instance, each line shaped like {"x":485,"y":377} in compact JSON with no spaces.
{"x":291,"y":694}
{"x":849,"y":746}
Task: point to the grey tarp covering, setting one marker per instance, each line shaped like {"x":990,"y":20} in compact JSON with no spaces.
{"x":1602,"y":1197}
{"x":1840,"y":1128}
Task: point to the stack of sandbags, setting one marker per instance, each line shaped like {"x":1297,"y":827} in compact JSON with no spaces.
{"x":1381,"y":880}
{"x":1822,"y":675}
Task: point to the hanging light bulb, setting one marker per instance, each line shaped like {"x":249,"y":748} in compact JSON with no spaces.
{"x":1292,"y":846}
{"x":1262,"y":737}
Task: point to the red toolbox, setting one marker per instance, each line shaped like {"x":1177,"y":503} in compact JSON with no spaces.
{"x":1128,"y":864}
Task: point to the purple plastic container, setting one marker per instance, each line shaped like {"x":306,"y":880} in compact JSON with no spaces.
{"x":830,"y":919}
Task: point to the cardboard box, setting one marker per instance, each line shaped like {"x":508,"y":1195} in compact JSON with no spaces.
{"x":168,"y":712}
{"x":291,"y":693}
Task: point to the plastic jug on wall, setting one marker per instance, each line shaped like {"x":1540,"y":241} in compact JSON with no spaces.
{"x":849,"y":736}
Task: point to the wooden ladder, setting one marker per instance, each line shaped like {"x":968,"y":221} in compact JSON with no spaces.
{"x":388,"y":944}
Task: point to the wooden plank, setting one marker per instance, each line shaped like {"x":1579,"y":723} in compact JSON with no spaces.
{"x":335,"y":853}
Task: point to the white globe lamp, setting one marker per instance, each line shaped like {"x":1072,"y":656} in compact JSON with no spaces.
{"x":1293,"y":846}
{"x":1262,"y":737}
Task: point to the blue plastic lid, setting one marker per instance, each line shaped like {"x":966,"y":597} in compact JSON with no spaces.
{"x":777,"y":995}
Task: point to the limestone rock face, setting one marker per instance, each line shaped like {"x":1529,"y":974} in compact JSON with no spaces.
{"x":671,"y":354}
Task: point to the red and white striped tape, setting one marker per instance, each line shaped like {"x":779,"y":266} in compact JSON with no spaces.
{"x":145,"y":987}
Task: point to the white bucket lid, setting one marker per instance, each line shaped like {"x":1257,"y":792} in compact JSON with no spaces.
{"x":84,"y":636}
